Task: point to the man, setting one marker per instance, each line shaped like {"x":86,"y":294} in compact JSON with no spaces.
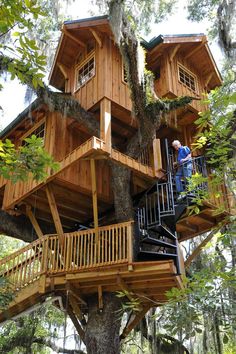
{"x":184,"y":162}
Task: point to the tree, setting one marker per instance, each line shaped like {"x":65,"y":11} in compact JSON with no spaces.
{"x":148,"y":109}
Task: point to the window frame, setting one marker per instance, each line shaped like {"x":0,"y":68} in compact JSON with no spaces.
{"x":189,"y":73}
{"x":80,"y":66}
{"x":32,"y":130}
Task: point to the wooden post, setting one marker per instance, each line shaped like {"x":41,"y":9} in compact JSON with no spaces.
{"x":55,"y":214}
{"x":65,"y":74}
{"x":130,"y":246}
{"x":95,"y":203}
{"x":34,"y":222}
{"x":105,"y":122}
{"x":134,"y":321}
{"x":100,"y":298}
{"x":157,"y":160}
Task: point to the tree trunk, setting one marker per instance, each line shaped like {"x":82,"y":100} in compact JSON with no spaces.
{"x":217,"y":333}
{"x":102,"y":330}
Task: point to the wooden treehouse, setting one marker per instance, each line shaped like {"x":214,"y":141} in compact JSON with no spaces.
{"x":87,"y":253}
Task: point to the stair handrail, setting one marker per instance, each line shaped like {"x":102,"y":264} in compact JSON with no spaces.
{"x":22,"y":250}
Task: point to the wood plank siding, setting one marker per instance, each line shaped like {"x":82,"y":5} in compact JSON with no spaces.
{"x":168,"y":84}
{"x":107,"y":81}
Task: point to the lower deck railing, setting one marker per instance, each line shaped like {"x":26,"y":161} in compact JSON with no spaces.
{"x":81,"y":250}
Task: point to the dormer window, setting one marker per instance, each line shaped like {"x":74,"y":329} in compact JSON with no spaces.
{"x":187,"y":78}
{"x":85,"y":71}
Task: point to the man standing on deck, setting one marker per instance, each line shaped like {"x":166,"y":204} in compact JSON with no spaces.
{"x":185,"y":166}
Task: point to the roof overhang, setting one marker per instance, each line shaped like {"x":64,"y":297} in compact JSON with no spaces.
{"x":75,"y":35}
{"x":193,"y":47}
{"x":19,"y":124}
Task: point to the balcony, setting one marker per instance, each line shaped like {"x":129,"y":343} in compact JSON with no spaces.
{"x":94,"y":148}
{"x":88,"y":262}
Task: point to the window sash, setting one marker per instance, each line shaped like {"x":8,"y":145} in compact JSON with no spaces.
{"x":85,"y":71}
{"x":187,"y":78}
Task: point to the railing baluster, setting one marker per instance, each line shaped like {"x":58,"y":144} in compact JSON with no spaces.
{"x":46,"y":256}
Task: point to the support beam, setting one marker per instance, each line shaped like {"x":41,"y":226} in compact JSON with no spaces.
{"x":208,"y":79}
{"x":129,"y":293}
{"x":195,"y":50}
{"x":134,"y":321}
{"x":97,"y":37}
{"x":63,"y":70}
{"x":75,"y":39}
{"x":75,"y":307}
{"x":105,"y":122}
{"x":206,"y":219}
{"x":94,"y":196}
{"x":189,"y":226}
{"x":100,"y":298}
{"x":174,"y":51}
{"x":55,"y":214}
{"x":65,"y":74}
{"x":75,"y":322}
{"x":34,"y":221}
{"x":200,"y":247}
{"x":157,"y":160}
{"x":75,"y":292}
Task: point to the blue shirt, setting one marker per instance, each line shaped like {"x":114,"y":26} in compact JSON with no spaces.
{"x":183,"y":152}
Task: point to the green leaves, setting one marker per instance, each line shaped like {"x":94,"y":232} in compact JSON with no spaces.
{"x":6,"y":293}
{"x":27,"y":62}
{"x":29,"y":160}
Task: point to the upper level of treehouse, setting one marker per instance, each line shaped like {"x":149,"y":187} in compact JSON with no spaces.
{"x":88,"y":65}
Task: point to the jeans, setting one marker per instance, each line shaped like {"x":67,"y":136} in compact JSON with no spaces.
{"x":185,"y":170}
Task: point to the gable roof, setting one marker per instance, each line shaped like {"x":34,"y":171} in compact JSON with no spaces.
{"x":75,"y":35}
{"x":193,"y":47}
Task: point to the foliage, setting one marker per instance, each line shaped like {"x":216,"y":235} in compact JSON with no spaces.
{"x":21,"y":57}
{"x":6,"y":293}
{"x":221,"y":15}
{"x":207,"y":297}
{"x":30,"y":158}
{"x":27,"y":333}
{"x":141,"y":13}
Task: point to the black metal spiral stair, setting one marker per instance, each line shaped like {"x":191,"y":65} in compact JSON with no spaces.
{"x":156,"y":224}
{"x":159,"y":210}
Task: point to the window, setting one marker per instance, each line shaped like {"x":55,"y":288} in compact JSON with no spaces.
{"x":187,"y":78}
{"x":39,"y":132}
{"x":85,"y":72}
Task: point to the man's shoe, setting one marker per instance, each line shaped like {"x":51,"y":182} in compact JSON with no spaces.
{"x":181,"y":197}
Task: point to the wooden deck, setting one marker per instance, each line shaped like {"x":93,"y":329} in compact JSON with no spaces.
{"x":217,"y":209}
{"x":82,"y":265}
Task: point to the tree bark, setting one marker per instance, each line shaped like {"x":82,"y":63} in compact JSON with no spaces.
{"x":102,"y":330}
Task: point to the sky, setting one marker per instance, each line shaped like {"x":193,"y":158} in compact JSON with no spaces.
{"x":12,"y":96}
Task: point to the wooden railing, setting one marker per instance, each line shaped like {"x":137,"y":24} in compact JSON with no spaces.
{"x":146,"y":156}
{"x":80,"y":252}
